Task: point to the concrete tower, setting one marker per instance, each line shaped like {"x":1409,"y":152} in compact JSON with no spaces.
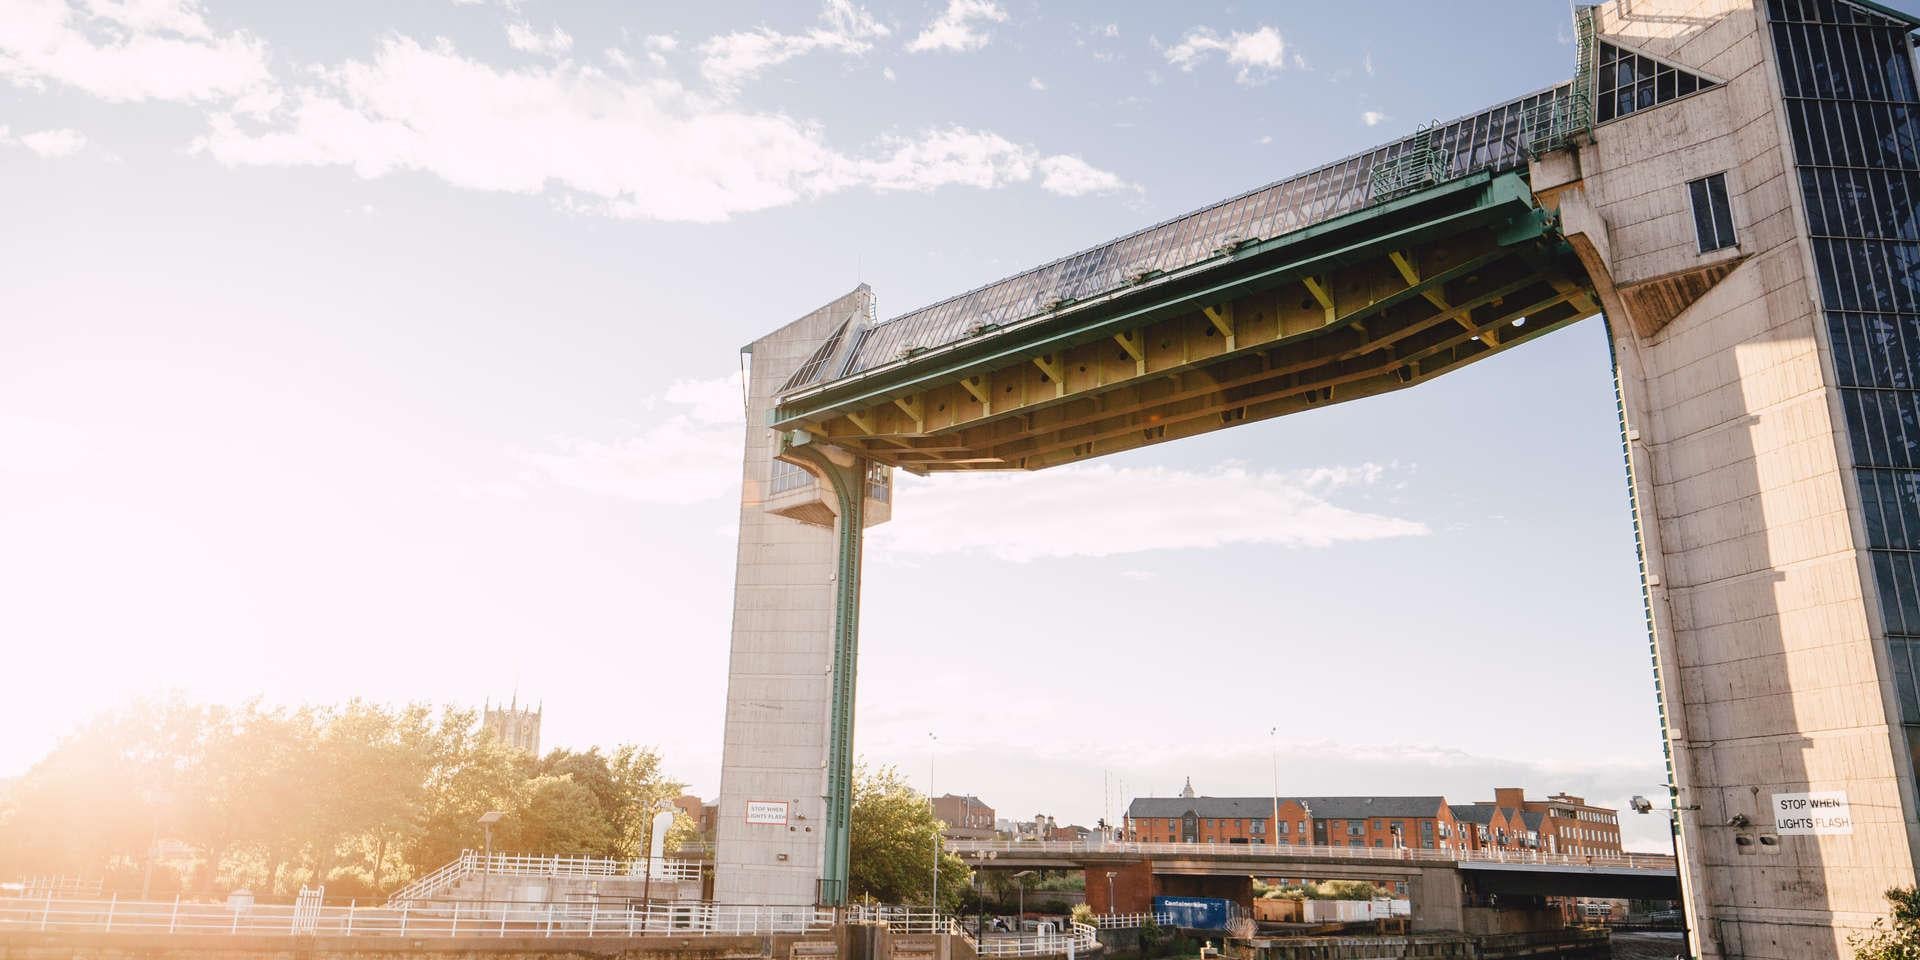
{"x":781,"y":824}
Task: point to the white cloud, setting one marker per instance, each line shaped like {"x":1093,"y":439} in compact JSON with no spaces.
{"x":1027,"y":516}
{"x":51,"y":143}
{"x":1258,"y":54}
{"x":555,"y":42}
{"x":1265,"y":139}
{"x":1372,"y":118}
{"x":888,"y":73}
{"x":128,"y":50}
{"x":633,"y":149}
{"x":688,"y":453}
{"x":1110,"y":30}
{"x":1037,"y":84}
{"x":1074,"y":177}
{"x":1366,"y":63}
{"x":658,"y":46}
{"x":733,"y":58}
{"x":959,"y":27}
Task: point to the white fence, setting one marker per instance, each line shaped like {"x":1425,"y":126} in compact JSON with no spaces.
{"x":440,"y":920}
{"x":472,"y":864}
{"x":993,"y":849}
{"x":1079,"y":940}
{"x":1129,"y":921}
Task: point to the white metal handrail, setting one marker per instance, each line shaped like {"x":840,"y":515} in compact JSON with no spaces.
{"x":1635,"y":861}
{"x":1129,"y":921}
{"x":472,"y":864}
{"x":449,"y":920}
{"x":1081,"y":937}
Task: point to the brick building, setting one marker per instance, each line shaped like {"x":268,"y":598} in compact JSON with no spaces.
{"x":1559,"y":824}
{"x":967,"y":817}
{"x":1420,"y":822}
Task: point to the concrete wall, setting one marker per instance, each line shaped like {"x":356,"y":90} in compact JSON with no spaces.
{"x":780,"y":670}
{"x":1765,"y":646}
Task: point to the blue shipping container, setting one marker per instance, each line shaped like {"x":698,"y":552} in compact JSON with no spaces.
{"x":1193,"y":913}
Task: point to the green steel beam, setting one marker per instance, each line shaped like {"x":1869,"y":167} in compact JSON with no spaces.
{"x":1504,"y":202}
{"x":850,"y":488}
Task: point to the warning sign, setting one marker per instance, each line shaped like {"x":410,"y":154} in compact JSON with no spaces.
{"x":771,"y":812}
{"x":1817,"y":812}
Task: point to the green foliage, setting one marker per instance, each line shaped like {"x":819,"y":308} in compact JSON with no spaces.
{"x":894,"y":838}
{"x":360,"y":797}
{"x":1083,"y":914}
{"x":1894,"y":937}
{"x":1341,"y":890}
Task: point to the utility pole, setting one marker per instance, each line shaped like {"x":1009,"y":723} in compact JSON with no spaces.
{"x":1643,"y":805}
{"x":934,"y":742}
{"x":1273,"y":751}
{"x":487,"y":820}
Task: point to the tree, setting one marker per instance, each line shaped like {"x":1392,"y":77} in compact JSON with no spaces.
{"x":468,"y":774}
{"x":561,"y":818}
{"x":641,"y":789}
{"x":894,"y":837}
{"x":1895,"y":937}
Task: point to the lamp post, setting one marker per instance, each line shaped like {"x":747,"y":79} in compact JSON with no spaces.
{"x":487,"y":820}
{"x":1642,"y":805}
{"x":1021,"y":880}
{"x":1273,"y":752}
{"x":155,"y":798}
{"x":1110,"y":905}
{"x":933,"y":743}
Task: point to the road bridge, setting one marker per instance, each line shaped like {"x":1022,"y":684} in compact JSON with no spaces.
{"x":1124,"y":877}
{"x":1732,"y":183}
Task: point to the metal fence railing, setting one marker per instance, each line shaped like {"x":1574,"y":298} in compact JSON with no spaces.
{"x":492,"y":919}
{"x":1130,"y":921}
{"x":473,"y":864}
{"x":995,"y":848}
{"x":1078,"y":939}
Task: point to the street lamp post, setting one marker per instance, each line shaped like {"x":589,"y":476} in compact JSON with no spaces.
{"x":1021,"y":880}
{"x":487,"y":820}
{"x":1110,"y":905}
{"x":934,"y":741}
{"x":1273,"y":750}
{"x":1642,"y":805}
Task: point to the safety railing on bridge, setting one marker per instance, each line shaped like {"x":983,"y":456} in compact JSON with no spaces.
{"x":993,"y":849}
{"x":473,"y":864}
{"x":460,"y":919}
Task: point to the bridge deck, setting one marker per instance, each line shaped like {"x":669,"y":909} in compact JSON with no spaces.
{"x":1495,"y":139}
{"x":1364,"y":276}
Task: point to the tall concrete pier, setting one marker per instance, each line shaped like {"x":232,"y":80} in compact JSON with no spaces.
{"x":1731,"y":182}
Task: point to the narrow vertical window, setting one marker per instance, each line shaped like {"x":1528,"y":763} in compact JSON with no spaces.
{"x":1712,"y":215}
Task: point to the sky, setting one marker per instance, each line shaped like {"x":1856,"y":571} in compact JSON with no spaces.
{"x":391,"y":351}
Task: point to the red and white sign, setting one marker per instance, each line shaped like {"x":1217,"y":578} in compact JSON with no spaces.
{"x":769,"y":812}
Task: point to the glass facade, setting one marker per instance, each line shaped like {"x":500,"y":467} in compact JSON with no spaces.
{"x":1626,"y":81}
{"x":1847,"y":75}
{"x":1495,"y":139}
